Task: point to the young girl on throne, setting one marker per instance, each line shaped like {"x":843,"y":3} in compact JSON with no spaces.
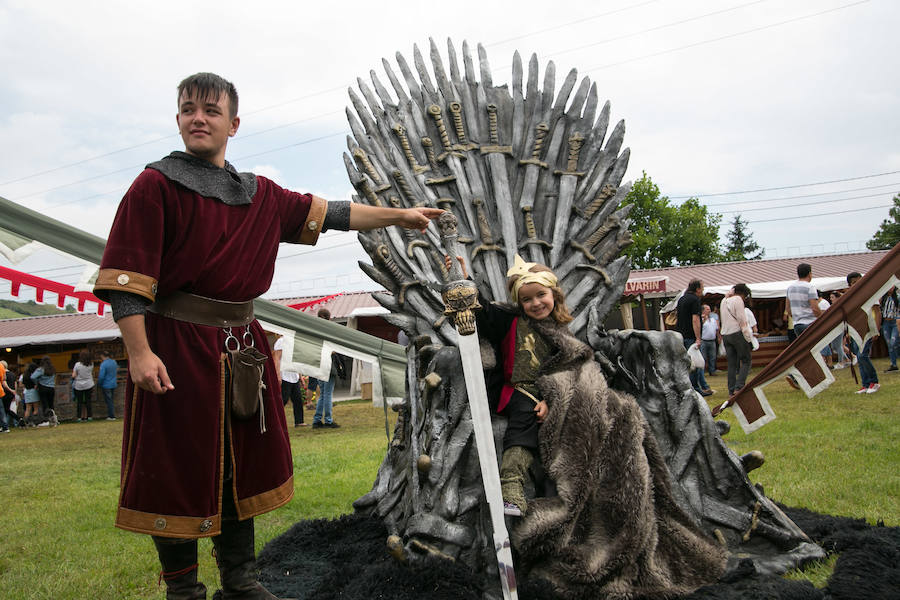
{"x":607,"y":521}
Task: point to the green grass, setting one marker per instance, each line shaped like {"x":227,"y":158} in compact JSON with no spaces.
{"x":836,"y":453}
{"x":59,"y":488}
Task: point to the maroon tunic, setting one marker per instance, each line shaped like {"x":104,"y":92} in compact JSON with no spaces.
{"x":166,"y":238}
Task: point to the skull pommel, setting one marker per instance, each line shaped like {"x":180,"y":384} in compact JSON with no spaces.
{"x":460,"y":299}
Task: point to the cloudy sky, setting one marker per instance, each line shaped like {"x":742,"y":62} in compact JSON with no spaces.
{"x":799,"y":99}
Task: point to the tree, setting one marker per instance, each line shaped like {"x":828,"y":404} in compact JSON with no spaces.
{"x":666,"y":234}
{"x":741,"y":245}
{"x":888,"y":235}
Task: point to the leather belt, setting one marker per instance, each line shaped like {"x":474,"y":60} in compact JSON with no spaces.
{"x":201,"y":310}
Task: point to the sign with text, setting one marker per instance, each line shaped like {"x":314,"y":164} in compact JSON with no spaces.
{"x":650,"y":285}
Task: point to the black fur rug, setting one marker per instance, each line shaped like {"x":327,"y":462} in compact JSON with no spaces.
{"x":347,"y":559}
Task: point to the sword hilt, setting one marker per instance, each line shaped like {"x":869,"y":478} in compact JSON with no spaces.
{"x":400,"y":130}
{"x":448,"y":225}
{"x":460,"y":295}
{"x":363,"y":160}
{"x":429,"y":151}
{"x":463,"y":142}
{"x":606,"y":192}
{"x":539,"y":135}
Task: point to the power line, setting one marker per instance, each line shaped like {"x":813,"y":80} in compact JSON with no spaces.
{"x":87,"y":160}
{"x":291,"y":124}
{"x":526,"y":35}
{"x":787,"y":187}
{"x":570,"y":23}
{"x":724,"y":37}
{"x":340,"y":88}
{"x":85,"y":180}
{"x":657,"y":28}
{"x":300,"y":143}
{"x":819,"y":203}
{"x":297,"y":99}
{"x":166,"y":137}
{"x":65,"y":185}
{"x":808,"y":216}
{"x":118,"y":190}
{"x":872,"y":187}
{"x":305,"y":252}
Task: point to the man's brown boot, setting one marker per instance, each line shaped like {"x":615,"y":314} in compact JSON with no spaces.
{"x":179,"y":568}
{"x":236,"y":558}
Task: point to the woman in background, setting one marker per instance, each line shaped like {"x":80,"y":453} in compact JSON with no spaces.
{"x":45,"y":378}
{"x":83,"y":384}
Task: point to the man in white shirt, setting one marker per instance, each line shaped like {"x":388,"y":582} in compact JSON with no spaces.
{"x":802,"y":301}
{"x":802,"y":304}
{"x":290,"y":384}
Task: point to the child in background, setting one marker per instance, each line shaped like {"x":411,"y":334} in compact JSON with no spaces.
{"x":33,"y":414}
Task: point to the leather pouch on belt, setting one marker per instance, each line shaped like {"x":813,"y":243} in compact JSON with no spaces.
{"x":247,"y":367}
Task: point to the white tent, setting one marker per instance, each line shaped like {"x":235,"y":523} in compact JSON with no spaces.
{"x":766,"y":289}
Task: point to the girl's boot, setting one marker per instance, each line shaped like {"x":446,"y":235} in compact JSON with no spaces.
{"x":513,"y":473}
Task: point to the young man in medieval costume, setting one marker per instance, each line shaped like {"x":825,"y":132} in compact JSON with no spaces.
{"x":193,"y":243}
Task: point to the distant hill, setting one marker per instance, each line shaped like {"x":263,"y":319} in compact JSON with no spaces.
{"x":10,"y":309}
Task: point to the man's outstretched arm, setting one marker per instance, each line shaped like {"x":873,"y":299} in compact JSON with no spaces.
{"x":364,"y":217}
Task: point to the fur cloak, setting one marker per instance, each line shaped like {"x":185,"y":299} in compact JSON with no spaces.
{"x":614,"y":529}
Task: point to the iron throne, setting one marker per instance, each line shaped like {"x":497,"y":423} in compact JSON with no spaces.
{"x":525,"y":170}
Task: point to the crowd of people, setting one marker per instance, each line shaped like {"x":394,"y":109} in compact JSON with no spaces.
{"x":727,"y":330}
{"x":805,"y":305}
{"x":32,"y":392}
{"x":731,"y":330}
{"x":29,"y":393}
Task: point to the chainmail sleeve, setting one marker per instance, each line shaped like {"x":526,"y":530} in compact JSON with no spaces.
{"x":125,"y":304}
{"x":337,"y":216}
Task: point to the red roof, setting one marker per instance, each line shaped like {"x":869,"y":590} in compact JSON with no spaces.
{"x":761,"y":271}
{"x":64,"y":327}
{"x":340,"y":307}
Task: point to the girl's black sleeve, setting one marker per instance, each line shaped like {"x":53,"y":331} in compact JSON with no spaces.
{"x":493,"y":321}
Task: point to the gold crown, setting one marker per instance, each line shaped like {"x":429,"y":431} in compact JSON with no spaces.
{"x":520,"y":267}
{"x":526,"y":276}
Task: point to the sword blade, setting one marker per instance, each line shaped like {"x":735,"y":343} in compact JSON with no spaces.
{"x":503,"y":203}
{"x":473,"y":372}
{"x":470,"y":355}
{"x":561,"y":219}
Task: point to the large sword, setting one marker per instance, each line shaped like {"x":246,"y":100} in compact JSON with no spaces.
{"x":460,"y":297}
